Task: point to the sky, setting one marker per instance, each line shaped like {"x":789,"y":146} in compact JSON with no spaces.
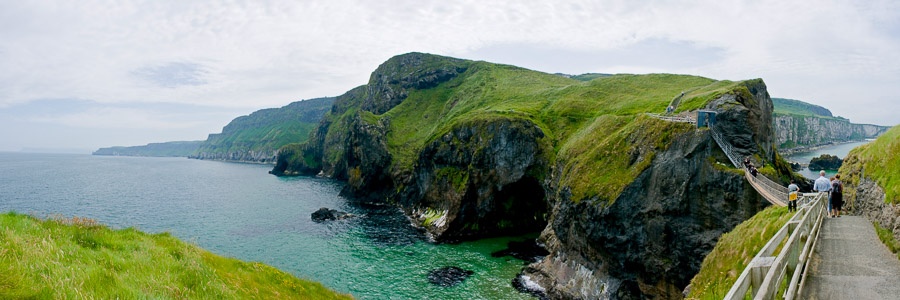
{"x":79,"y":75}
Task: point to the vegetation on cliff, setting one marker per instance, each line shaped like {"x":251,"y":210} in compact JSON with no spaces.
{"x":167,"y":149}
{"x":257,"y":136}
{"x":799,"y":108}
{"x":878,"y":161}
{"x":799,"y":124}
{"x":825,"y":162}
{"x":596,"y":127}
{"x":722,"y":266}
{"x":66,"y":258}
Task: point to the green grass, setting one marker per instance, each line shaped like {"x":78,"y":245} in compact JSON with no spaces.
{"x":268,"y":129}
{"x":887,"y":237}
{"x":799,"y":108}
{"x":595,"y":125}
{"x":78,"y":258}
{"x":878,"y":161}
{"x":734,"y":250}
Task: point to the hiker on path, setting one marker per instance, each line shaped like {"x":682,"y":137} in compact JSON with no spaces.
{"x":837,"y":196}
{"x":823,"y":185}
{"x":793,"y":194}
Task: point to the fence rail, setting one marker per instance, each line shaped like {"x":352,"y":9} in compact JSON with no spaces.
{"x":673,"y":118}
{"x":768,"y":272}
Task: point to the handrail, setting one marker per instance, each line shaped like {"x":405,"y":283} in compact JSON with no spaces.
{"x":764,"y":275}
{"x":772,"y":191}
{"x":673,"y":119}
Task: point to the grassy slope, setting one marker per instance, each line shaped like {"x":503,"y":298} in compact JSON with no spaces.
{"x":800,"y":108}
{"x":269,"y":129}
{"x":77,"y":258}
{"x":880,"y":161}
{"x":721,"y":267}
{"x":594,"y":125}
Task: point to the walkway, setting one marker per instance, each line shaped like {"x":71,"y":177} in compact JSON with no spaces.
{"x":772,"y":191}
{"x":850,"y":262}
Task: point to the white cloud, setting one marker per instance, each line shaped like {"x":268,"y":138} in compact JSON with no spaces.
{"x":268,"y":53}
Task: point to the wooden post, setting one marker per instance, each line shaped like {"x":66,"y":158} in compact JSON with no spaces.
{"x":758,"y":268}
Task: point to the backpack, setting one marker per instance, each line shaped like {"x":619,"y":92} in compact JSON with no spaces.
{"x":837,"y":187}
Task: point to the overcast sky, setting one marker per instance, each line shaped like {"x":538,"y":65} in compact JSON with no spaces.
{"x":79,"y":75}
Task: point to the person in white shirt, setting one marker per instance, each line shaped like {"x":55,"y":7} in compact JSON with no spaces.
{"x":823,"y":185}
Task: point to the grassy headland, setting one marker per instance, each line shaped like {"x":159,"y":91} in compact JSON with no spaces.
{"x":77,"y":258}
{"x":589,"y":125}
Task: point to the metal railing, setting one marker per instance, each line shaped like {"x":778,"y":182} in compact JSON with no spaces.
{"x":768,"y":272}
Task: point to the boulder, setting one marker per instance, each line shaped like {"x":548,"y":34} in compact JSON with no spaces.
{"x":326,"y":214}
{"x":448,"y":276}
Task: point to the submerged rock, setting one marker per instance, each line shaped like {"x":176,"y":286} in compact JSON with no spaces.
{"x":528,"y":250}
{"x":448,"y":276}
{"x":326,"y":214}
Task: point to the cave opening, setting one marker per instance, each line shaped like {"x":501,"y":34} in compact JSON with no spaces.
{"x":519,"y":208}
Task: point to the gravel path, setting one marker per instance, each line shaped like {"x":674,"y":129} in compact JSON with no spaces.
{"x":850,"y":262}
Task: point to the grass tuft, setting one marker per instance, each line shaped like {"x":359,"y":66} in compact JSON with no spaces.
{"x":65,"y":258}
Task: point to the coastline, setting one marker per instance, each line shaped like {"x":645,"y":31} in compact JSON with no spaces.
{"x":793,"y":151}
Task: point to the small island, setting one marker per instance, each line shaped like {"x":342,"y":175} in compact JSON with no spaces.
{"x":825,"y":162}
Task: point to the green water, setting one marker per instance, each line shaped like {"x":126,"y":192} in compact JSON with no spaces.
{"x":239,"y":210}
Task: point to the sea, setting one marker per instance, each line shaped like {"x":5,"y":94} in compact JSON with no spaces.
{"x":239,"y":210}
{"x":840,"y":150}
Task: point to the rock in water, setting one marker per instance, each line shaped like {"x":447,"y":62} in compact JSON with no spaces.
{"x":326,"y":214}
{"x":448,"y":276}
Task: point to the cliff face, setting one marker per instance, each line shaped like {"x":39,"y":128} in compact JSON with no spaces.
{"x":628,"y":204}
{"x":256,"y":137}
{"x":799,"y":131}
{"x":871,"y":187}
{"x":652,"y":239}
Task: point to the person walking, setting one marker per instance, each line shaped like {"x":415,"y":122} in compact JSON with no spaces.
{"x":837,"y":196}
{"x":822,"y":185}
{"x":793,"y":194}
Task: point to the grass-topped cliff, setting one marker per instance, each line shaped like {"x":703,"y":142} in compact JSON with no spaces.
{"x":257,"y":136}
{"x":878,"y":161}
{"x":78,"y":258}
{"x":796,"y":107}
{"x":592,"y":126}
{"x":470,"y":149}
{"x":799,"y":124}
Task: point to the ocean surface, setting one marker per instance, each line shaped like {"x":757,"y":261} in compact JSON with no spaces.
{"x":239,"y":210}
{"x":839,"y":150}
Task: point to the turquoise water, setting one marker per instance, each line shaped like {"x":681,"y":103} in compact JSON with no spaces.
{"x":839,"y":150}
{"x":241,"y":211}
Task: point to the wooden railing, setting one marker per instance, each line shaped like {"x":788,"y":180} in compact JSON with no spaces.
{"x":673,"y":118}
{"x":768,"y":272}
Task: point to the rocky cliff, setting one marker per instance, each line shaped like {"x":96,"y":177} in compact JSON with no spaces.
{"x":799,"y":125}
{"x":871,"y":187}
{"x":628,"y":204}
{"x":256,"y":137}
{"x":651,"y":240}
